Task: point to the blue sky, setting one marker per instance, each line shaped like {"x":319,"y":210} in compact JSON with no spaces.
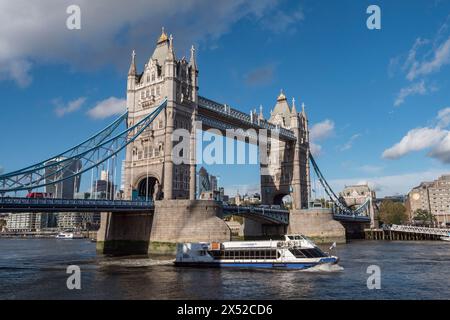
{"x":376,"y":99}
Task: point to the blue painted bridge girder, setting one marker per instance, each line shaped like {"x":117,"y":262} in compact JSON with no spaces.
{"x":262,"y":214}
{"x":351,"y":218}
{"x":266,"y":215}
{"x":16,"y":205}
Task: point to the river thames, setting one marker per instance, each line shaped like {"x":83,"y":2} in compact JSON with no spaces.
{"x":36,"y":269}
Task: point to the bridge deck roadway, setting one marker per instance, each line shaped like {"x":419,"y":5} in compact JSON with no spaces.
{"x":16,"y":205}
{"x":266,"y":215}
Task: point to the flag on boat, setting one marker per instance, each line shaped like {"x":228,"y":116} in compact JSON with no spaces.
{"x":333,"y":245}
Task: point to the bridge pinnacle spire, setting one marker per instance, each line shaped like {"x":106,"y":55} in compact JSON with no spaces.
{"x":163,"y":36}
{"x":171,"y":53}
{"x":192,"y":60}
{"x":281,"y":96}
{"x":132,"y":70}
{"x":294,"y":110}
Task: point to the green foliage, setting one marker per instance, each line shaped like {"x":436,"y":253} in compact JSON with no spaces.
{"x":2,"y":224}
{"x":392,"y":212}
{"x":424,"y":216}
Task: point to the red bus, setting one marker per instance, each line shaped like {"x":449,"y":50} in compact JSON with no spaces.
{"x":39,"y":195}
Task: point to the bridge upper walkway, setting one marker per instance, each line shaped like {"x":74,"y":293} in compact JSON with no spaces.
{"x":210,"y":111}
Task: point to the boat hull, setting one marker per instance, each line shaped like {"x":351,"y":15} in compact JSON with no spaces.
{"x":257,"y":265}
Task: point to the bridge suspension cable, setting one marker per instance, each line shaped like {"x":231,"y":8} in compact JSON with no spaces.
{"x":77,"y":160}
{"x":93,"y":141}
{"x":338,"y":202}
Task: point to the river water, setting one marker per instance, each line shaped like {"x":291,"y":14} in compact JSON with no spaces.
{"x":36,"y":269}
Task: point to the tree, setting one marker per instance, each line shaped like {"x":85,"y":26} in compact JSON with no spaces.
{"x":424,"y":216}
{"x":2,"y":224}
{"x":392,"y":212}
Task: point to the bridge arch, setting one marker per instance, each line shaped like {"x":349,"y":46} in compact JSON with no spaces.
{"x":148,"y":187}
{"x":279,"y":198}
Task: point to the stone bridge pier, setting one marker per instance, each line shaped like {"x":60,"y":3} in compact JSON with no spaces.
{"x":317,"y":224}
{"x":173,"y":221}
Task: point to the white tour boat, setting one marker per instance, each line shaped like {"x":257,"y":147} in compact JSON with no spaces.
{"x":446,"y":238}
{"x":68,"y":235}
{"x":294,"y":252}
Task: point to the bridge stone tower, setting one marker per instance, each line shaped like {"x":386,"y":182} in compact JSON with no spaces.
{"x":286,"y":171}
{"x":153,"y":171}
{"x":150,"y":171}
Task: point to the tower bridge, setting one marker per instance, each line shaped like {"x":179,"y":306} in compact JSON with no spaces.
{"x":162,"y":101}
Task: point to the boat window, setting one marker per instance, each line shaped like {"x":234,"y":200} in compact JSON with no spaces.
{"x":297,"y":253}
{"x":313,"y":253}
{"x":307,"y":253}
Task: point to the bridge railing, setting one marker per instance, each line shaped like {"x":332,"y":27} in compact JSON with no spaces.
{"x":416,"y":229}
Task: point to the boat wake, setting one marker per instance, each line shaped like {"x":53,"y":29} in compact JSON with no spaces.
{"x":135,"y":263}
{"x":326,"y":267}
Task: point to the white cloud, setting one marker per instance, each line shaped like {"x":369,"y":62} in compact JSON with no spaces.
{"x":443,"y":117}
{"x":370,"y":168}
{"x":442,"y":150}
{"x":424,"y":58}
{"x":35,"y":32}
{"x":17,"y":70}
{"x":390,"y":185}
{"x":436,"y":139}
{"x":107,"y":108}
{"x":321,"y":130}
{"x":63,"y":109}
{"x":415,"y":140}
{"x":414,"y":89}
{"x":315,"y":149}
{"x":441,"y":57}
{"x":412,"y":54}
{"x":260,"y":76}
{"x":349,"y":144}
{"x":242,"y":189}
{"x":283,"y":21}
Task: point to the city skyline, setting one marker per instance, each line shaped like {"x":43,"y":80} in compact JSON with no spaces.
{"x":382,"y":119}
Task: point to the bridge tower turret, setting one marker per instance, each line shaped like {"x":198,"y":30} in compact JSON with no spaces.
{"x":287,"y":171}
{"x":300,"y":174}
{"x":194,"y":98}
{"x":150,"y":169}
